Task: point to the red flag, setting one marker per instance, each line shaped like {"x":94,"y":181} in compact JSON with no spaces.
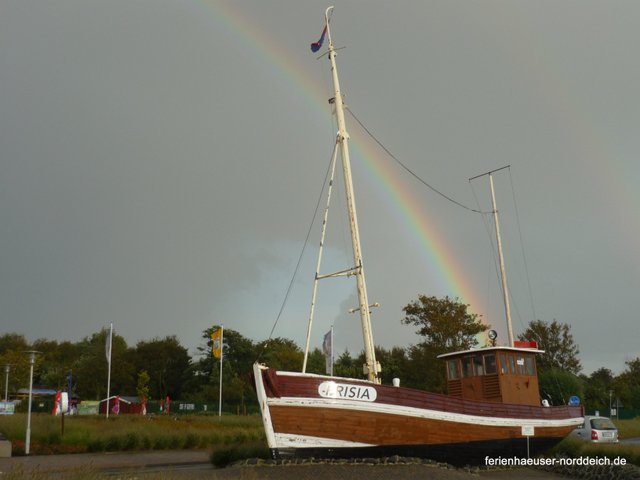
{"x":57,"y":404}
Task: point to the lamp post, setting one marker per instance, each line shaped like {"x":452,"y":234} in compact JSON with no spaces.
{"x":7,"y":368}
{"x":32,"y":361}
{"x":610,"y":393}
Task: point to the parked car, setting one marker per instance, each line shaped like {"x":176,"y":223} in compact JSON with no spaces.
{"x":597,"y":430}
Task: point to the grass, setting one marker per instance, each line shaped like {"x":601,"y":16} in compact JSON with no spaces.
{"x":626,"y":429}
{"x":224,"y":456}
{"x":575,"y":448}
{"x":129,"y":433}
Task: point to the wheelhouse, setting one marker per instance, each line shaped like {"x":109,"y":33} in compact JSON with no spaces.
{"x":494,"y":374}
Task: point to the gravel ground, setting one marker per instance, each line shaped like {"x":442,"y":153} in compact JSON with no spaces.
{"x":190,"y":465}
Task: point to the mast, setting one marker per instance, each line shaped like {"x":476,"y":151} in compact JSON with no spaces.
{"x":371,"y":368}
{"x":503,"y":273}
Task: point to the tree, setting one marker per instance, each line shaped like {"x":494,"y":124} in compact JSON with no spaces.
{"x":14,"y":342}
{"x":166,"y":362}
{"x":57,"y":361}
{"x":142,"y":388}
{"x":395,"y":364}
{"x":557,"y":386}
{"x":281,"y":354}
{"x":346,"y":366}
{"x":316,"y":362}
{"x":91,"y":368}
{"x":446,"y":326}
{"x":560,"y":351}
{"x":597,"y":387}
{"x":627,"y":384}
{"x":238,"y":357}
{"x":19,"y":369}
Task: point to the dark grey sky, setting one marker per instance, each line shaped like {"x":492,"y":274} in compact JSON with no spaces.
{"x":160,"y":162}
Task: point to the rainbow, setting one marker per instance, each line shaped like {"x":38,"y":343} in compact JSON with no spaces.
{"x":434,"y":250}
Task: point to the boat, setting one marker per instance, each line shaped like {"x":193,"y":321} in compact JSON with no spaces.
{"x":493,"y":406}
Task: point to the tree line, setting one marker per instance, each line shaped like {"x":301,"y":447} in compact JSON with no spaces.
{"x":162,"y":367}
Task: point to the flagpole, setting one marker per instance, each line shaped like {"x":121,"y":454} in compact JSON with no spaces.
{"x":109,"y":362}
{"x":331,"y":370}
{"x":221,"y":357}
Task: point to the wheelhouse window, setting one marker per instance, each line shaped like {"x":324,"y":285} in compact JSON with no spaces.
{"x":478,"y":368}
{"x":490,"y":367}
{"x":467,"y":367}
{"x":453,"y":369}
{"x":503,"y":363}
{"x":531,"y":365}
{"x":520,"y":364}
{"x":512,"y":365}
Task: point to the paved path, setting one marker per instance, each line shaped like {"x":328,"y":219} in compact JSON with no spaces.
{"x":105,"y":461}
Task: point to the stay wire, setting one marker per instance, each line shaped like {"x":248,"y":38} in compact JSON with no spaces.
{"x":488,"y":220}
{"x":304,"y":247}
{"x":407,"y":169}
{"x":524,"y":257}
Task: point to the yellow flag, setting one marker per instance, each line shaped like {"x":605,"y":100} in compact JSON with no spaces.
{"x":216,"y":338}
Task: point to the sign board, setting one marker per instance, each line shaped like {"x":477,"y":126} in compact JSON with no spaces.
{"x":7,"y":408}
{"x":347,"y":391}
{"x":528,"y":430}
{"x":88,"y":407}
{"x":574,"y":401}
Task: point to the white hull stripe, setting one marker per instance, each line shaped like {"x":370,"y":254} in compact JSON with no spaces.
{"x":384,"y":408}
{"x":288,"y":440}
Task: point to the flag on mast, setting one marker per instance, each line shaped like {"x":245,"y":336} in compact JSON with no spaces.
{"x":217,"y":352}
{"x":315,"y":46}
{"x":108,"y":343}
{"x":327,"y":348}
{"x":216,"y":348}
{"x":107,"y":351}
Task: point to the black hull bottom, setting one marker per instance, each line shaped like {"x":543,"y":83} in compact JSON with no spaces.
{"x":458,"y":454}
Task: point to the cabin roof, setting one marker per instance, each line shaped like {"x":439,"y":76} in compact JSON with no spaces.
{"x":489,"y":349}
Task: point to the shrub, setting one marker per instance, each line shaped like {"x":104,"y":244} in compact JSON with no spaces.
{"x":131,"y":441}
{"x":96,"y":444}
{"x":224,"y":456}
{"x":114,"y":443}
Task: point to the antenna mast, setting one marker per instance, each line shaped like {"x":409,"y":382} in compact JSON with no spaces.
{"x":503,"y":273}
{"x":371,"y":367}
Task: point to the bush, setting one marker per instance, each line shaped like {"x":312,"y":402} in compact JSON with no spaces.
{"x":224,"y":456}
{"x":114,"y":443}
{"x":96,"y":444}
{"x":131,"y":441}
{"x":191,"y":441}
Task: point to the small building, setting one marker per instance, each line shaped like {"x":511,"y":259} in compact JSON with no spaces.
{"x":127,"y":405}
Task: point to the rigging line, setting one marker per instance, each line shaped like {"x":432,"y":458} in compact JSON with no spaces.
{"x":524,"y":257}
{"x":486,"y":219}
{"x":304,"y":247}
{"x":407,"y":169}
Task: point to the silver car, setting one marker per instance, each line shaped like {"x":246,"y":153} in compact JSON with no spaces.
{"x":597,"y":430}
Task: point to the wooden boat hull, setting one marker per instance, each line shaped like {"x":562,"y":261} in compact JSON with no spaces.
{"x":320,"y":416}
